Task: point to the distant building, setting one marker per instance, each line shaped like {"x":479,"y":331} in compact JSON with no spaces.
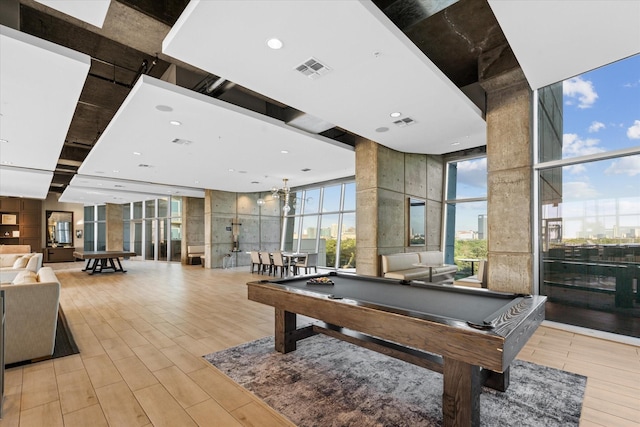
{"x":466,"y":235}
{"x":482,"y":226}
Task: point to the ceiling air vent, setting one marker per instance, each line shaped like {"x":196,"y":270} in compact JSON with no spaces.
{"x":144,"y":165}
{"x":180,"y":141}
{"x":404,"y":122}
{"x":313,"y":68}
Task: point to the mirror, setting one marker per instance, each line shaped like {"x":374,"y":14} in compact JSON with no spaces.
{"x":417,"y":222}
{"x":59,"y":228}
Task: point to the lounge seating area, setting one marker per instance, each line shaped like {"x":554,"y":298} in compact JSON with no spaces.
{"x":427,"y":266}
{"x":31,"y":314}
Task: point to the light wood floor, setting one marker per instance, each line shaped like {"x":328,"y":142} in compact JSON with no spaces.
{"x":142,"y":336}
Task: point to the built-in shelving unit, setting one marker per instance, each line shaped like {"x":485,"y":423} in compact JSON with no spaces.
{"x":21,"y":222}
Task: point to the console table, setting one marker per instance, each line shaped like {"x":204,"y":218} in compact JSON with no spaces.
{"x":59,"y":254}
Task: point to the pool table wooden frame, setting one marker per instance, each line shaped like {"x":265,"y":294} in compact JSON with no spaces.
{"x":470,"y":357}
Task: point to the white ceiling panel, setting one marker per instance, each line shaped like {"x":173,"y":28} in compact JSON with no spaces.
{"x":94,"y":12}
{"x":40,"y":84}
{"x":97,"y":190}
{"x":20,"y":182}
{"x":374,"y":69}
{"x":556,"y":40}
{"x":216,"y":145}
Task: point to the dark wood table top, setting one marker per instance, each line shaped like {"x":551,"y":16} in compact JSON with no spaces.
{"x":102,"y":254}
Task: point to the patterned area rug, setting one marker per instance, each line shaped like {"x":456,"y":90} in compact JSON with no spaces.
{"x":327,"y":382}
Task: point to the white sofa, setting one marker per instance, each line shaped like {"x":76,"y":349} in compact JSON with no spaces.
{"x":11,"y":263}
{"x":194,"y":254}
{"x":31,"y":315}
{"x":402,"y":266}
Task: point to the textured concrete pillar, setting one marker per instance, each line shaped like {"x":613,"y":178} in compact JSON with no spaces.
{"x":220,"y":213}
{"x":385,"y":180}
{"x":192,"y":224}
{"x":114,"y":227}
{"x":509,"y":170}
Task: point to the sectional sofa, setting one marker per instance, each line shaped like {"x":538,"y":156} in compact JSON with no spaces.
{"x":405,"y":266}
{"x":17,"y":258}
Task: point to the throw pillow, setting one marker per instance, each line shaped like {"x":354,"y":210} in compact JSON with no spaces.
{"x":22,"y":261}
{"x":33,"y":263}
{"x":25,"y":276}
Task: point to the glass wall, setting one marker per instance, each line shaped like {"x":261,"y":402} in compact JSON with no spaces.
{"x":152,"y":229}
{"x":589,"y":196}
{"x":322,"y":220}
{"x":95,"y":228}
{"x":466,"y":213}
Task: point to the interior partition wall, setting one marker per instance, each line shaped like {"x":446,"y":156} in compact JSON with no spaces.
{"x":588,"y":190}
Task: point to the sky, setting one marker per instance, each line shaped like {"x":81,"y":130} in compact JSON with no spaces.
{"x":601,"y":112}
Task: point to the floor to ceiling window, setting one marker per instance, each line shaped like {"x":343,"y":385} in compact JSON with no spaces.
{"x":151,"y":228}
{"x":322,"y":220}
{"x":589,"y":197}
{"x":95,"y":228}
{"x":466,"y":213}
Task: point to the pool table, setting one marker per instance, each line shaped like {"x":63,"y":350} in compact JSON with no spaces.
{"x":470,"y":335}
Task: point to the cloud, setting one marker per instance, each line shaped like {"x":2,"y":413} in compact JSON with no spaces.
{"x":634,"y":131}
{"x":575,"y":169}
{"x":578,"y":190}
{"x":574,"y":146}
{"x":583,"y":90}
{"x":596,"y":126}
{"x":473,"y":172}
{"x":632,"y":84}
{"x":629,"y":166}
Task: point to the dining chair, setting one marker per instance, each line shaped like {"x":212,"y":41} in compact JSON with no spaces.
{"x":278,"y":263}
{"x":309,"y":261}
{"x":265,"y":258}
{"x":256,"y":261}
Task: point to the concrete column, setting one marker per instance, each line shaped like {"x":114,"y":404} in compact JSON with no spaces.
{"x":510,"y":173}
{"x":192,"y":224}
{"x":220,"y":212}
{"x":385,"y":180}
{"x":114,"y":227}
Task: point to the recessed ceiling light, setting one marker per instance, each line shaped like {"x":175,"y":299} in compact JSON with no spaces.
{"x":164,"y":108}
{"x":5,"y":162}
{"x":3,"y":141}
{"x":284,"y":151}
{"x":231,"y":170}
{"x":274,"y":43}
{"x":175,"y":122}
{"x":116,"y":171}
{"x":395,"y":114}
{"x":137,"y":153}
{"x":455,"y":143}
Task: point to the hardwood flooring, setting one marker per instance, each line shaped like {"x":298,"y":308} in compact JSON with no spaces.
{"x":142,"y":335}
